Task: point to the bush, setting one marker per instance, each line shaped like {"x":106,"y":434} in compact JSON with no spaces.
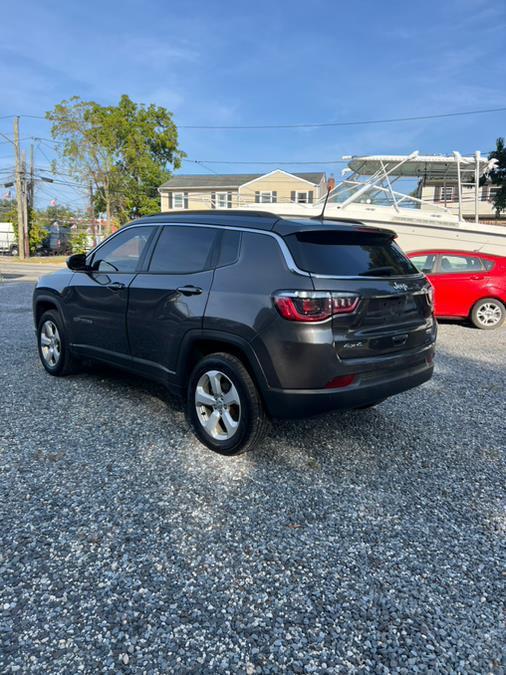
{"x":79,"y":242}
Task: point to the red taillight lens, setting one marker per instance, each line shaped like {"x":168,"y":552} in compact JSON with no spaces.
{"x":306,"y":308}
{"x":341,"y":381}
{"x":311,"y":306}
{"x":344,"y":304}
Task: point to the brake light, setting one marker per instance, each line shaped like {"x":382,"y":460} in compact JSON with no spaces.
{"x":312,"y":306}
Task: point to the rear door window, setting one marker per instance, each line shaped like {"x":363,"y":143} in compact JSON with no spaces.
{"x":229,"y":248}
{"x":184,"y":250}
{"x":348,"y":254}
{"x":424,"y":263}
{"x":460,"y":264}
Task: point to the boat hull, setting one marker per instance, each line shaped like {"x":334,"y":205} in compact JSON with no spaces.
{"x":415,"y":231}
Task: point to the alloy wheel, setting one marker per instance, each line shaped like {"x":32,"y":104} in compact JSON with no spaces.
{"x":218,"y":405}
{"x":489,"y":314}
{"x":50,"y":343}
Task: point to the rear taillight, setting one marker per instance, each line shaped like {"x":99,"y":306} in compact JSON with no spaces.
{"x":429,"y":294}
{"x":311,"y":306}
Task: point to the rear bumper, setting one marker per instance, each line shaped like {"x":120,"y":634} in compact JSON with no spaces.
{"x":370,"y":387}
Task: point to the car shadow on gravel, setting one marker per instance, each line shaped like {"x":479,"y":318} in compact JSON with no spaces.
{"x":408,"y":431}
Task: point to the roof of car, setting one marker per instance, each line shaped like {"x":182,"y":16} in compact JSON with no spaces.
{"x":260,"y":220}
{"x":453,"y":251}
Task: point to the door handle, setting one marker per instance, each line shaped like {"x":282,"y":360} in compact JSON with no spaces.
{"x":189,"y":290}
{"x":477,"y":276}
{"x":116,"y":286}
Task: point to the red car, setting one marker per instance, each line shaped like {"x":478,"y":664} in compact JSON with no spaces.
{"x":466,"y":284}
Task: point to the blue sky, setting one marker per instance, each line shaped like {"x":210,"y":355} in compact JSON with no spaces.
{"x":232,"y":62}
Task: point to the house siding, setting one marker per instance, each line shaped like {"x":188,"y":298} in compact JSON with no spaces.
{"x":432,"y":193}
{"x":281,"y":183}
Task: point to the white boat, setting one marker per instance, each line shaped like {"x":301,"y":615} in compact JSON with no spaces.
{"x":369,"y":192}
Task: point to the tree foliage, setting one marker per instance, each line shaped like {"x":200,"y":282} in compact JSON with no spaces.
{"x":8,"y":211}
{"x":498,"y":175}
{"x":124,"y":151}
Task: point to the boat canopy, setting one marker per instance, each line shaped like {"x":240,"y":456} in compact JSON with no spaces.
{"x":428,"y":167}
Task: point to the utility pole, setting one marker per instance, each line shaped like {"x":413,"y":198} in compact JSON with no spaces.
{"x":19,"y":192}
{"x":92,"y":215}
{"x":26,"y":243}
{"x":30,"y":200}
{"x":31,"y":189}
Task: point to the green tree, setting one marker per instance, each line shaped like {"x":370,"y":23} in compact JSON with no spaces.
{"x":125,"y":151}
{"x":498,"y":176}
{"x":37,"y":231}
{"x":9,"y":211}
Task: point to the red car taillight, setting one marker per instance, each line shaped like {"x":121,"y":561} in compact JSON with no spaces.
{"x":311,"y":306}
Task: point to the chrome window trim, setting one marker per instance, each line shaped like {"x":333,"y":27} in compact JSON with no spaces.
{"x":282,"y":245}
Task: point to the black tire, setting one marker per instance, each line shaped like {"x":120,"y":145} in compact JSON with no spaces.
{"x":249,"y":415}
{"x":66,"y":363}
{"x":370,"y":405}
{"x":488,"y":319}
{"x":14,"y":250}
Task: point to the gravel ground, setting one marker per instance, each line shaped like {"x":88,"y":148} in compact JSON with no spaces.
{"x":358,"y":542}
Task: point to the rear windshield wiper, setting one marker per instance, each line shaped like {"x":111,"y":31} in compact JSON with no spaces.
{"x":385,"y":271}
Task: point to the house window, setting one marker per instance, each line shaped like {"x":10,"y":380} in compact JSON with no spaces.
{"x":222,"y":200}
{"x":488,"y":193}
{"x":178,"y":200}
{"x":268,"y":197}
{"x":444,"y":193}
{"x":304,"y":197}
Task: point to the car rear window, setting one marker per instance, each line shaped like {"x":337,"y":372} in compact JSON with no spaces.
{"x":348,"y":254}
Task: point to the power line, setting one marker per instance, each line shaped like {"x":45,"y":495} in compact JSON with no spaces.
{"x":310,"y":125}
{"x":345,"y":124}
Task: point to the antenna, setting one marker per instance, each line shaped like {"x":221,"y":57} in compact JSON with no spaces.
{"x":321,"y":215}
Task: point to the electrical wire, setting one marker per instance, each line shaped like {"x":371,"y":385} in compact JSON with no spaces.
{"x":310,"y":125}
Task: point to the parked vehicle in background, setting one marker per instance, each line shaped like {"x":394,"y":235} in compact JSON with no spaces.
{"x":466,"y":285}
{"x":8,"y":243}
{"x":246,"y":315}
{"x":57,"y":242}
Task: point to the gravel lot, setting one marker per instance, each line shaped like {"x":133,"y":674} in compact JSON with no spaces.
{"x":359,"y":542}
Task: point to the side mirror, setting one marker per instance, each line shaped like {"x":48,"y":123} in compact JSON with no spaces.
{"x":77,"y":262}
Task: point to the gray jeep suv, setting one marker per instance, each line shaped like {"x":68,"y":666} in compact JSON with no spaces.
{"x":246,"y":315}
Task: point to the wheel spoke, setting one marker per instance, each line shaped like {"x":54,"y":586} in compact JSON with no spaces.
{"x":230,"y":424}
{"x":231,"y":397}
{"x":44,"y":340}
{"x":212,"y":423}
{"x":215,"y":382}
{"x":203,"y":398}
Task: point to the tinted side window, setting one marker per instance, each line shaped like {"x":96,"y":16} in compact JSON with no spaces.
{"x":123,"y":251}
{"x":453,"y":264}
{"x":229,"y":249}
{"x":183,"y":250}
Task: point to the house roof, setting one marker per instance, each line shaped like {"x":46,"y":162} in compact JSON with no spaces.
{"x":230,"y":180}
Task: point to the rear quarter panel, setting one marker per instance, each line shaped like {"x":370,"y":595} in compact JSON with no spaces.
{"x":240,"y":301}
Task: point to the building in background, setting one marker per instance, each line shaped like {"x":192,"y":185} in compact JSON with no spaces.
{"x":226,"y":191}
{"x":445,"y":193}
